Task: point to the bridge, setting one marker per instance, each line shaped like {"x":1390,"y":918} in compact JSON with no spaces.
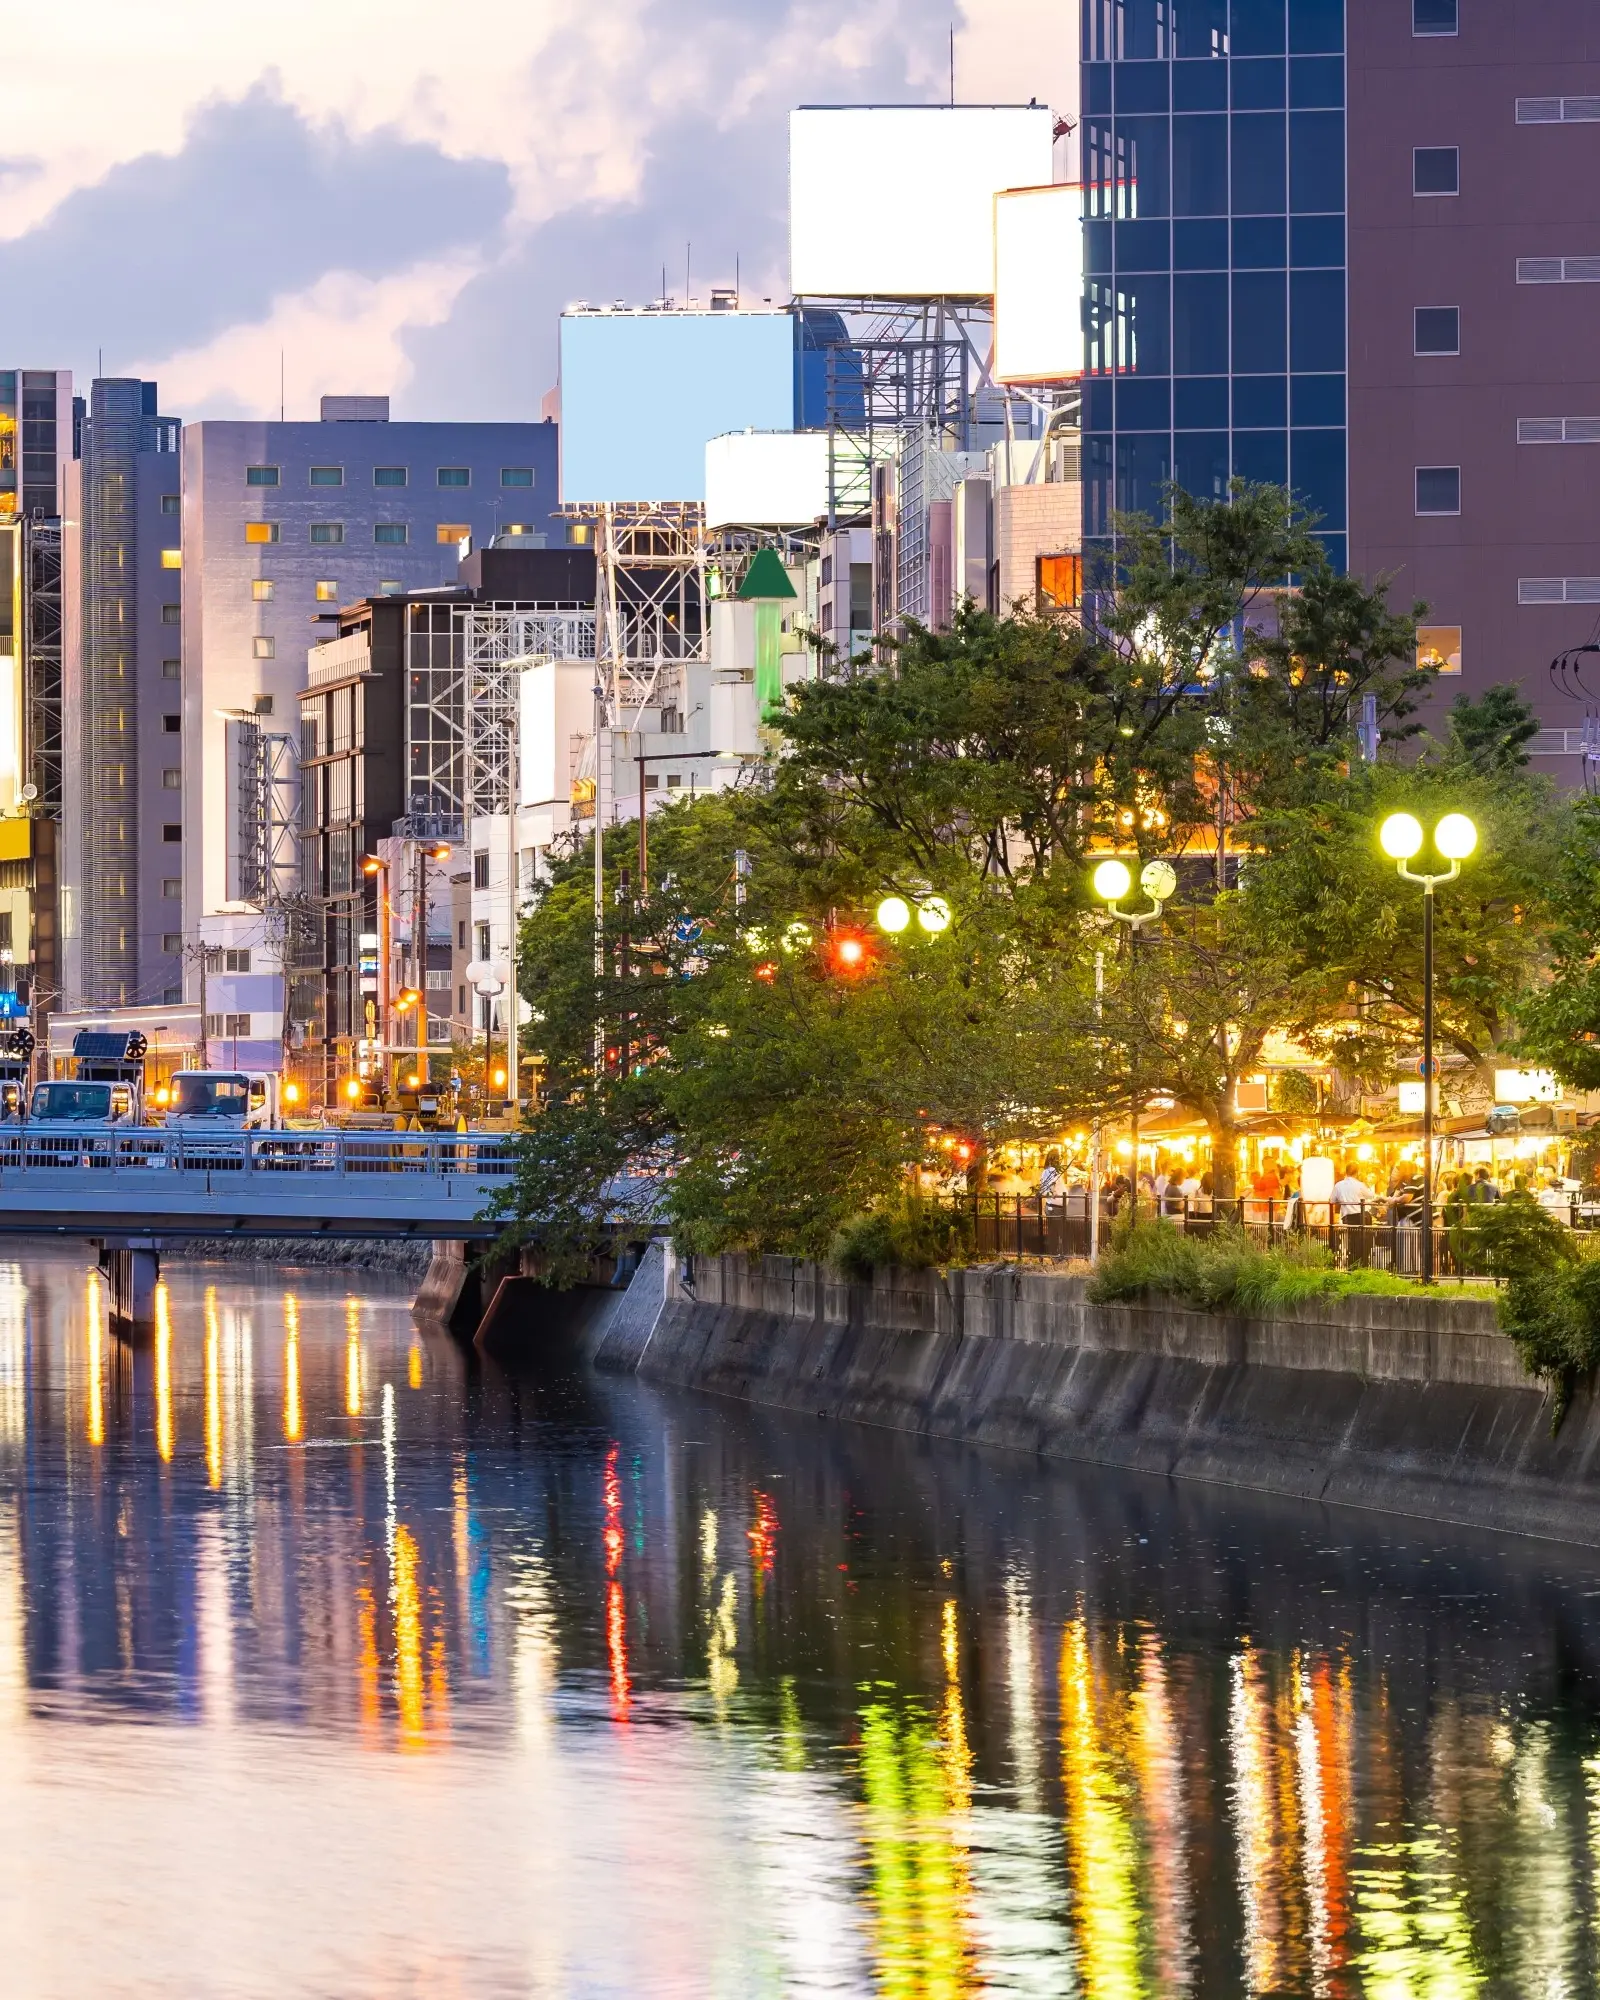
{"x":130,"y":1188}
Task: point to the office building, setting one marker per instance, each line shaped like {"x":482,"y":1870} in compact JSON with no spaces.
{"x":122,"y":908}
{"x":1356,"y":256}
{"x":384,"y":735}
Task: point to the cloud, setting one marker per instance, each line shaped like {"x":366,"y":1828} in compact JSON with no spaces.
{"x":169,"y":250}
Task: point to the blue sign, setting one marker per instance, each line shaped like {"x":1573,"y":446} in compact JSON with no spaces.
{"x":11,"y":1008}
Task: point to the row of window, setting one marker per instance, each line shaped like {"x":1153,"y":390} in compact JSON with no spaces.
{"x":387,"y":475}
{"x":331,"y":534}
{"x":1207,"y":29}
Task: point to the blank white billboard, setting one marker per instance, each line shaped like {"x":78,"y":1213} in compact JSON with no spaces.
{"x":1038,"y":284}
{"x":896,"y":201}
{"x":766,"y":478}
{"x":643,"y":392}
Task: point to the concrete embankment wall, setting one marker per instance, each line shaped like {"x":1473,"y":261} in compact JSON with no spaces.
{"x":1413,"y":1406}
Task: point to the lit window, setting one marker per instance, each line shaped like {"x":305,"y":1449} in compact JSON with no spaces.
{"x":327,"y":475}
{"x":1435,"y":17}
{"x":266,"y":648}
{"x":455,"y":475}
{"x":1439,"y":648}
{"x":453,"y":531}
{"x":172,"y":558}
{"x":389,"y":475}
{"x":1059,"y":580}
{"x":579,"y":534}
{"x":327,"y":533}
{"x":391,"y":586}
{"x":1438,"y":489}
{"x":1438,"y":330}
{"x":390,"y":534}
{"x":261,"y":589}
{"x":327,"y":591}
{"x":261,"y":475}
{"x":261,"y":531}
{"x":171,"y":780}
{"x":171,"y":503}
{"x":516,"y":475}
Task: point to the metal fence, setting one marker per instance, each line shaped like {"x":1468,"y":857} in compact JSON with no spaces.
{"x":1381,"y":1235}
{"x":30,"y":1149}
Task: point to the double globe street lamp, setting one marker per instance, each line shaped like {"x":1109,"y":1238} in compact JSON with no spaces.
{"x":1112,"y":881}
{"x":1402,"y":838}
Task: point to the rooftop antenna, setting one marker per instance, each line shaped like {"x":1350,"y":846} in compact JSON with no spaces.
{"x":736,"y":278}
{"x":686,"y":249}
{"x":280,"y":386}
{"x":952,"y":62}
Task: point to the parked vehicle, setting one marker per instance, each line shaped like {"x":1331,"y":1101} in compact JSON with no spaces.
{"x":77,"y":1103}
{"x":222,"y":1100}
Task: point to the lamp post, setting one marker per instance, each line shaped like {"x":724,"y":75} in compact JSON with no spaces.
{"x":1112,"y":881}
{"x":376,"y":869}
{"x":1401,"y":838}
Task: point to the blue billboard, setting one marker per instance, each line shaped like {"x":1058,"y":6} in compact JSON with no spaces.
{"x":642,"y":393}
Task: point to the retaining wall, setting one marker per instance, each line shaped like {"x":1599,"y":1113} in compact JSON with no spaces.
{"x":1414,"y":1406}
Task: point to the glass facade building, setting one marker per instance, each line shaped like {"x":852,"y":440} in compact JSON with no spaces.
{"x":1213,"y":162}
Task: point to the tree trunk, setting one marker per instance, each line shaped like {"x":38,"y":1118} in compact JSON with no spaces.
{"x":1224,"y":1153}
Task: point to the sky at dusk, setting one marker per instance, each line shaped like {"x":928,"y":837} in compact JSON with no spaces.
{"x":400,"y":198}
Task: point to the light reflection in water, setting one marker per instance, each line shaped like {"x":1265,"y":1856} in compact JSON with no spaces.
{"x":960,"y":1764}
{"x":164,"y":1423}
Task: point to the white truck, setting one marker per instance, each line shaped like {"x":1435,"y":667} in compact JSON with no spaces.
{"x":222,"y":1100}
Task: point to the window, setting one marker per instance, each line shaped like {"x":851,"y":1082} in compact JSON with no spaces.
{"x":461,"y":935}
{"x":1059,"y":581}
{"x":171,"y":832}
{"x":580,"y":533}
{"x":236,"y":961}
{"x":438,"y":979}
{"x":1558,"y":110}
{"x":1438,"y":330}
{"x":389,"y":534}
{"x":261,"y":589}
{"x":452,"y":533}
{"x":1558,"y":589}
{"x":236,"y":1027}
{"x":1438,"y":489}
{"x":327,"y":475}
{"x":172,"y":724}
{"x":1558,"y":270}
{"x":266,"y":647}
{"x":263,"y":704}
{"x":172,"y":888}
{"x":389,"y":475}
{"x":171,"y":503}
{"x":261,"y":475}
{"x":391,"y":586}
{"x":261,"y":531}
{"x":652,"y":781}
{"x":1434,"y":17}
{"x":516,"y":475}
{"x":171,"y":670}
{"x":172,"y":941}
{"x":1439,"y":648}
{"x":461,"y":999}
{"x":674,"y":780}
{"x":1558,"y":430}
{"x":480,"y":869}
{"x":172,"y":614}
{"x":455,"y":475}
{"x":171,"y":780}
{"x":327,"y":591}
{"x":1436,"y":170}
{"x":326,"y":533}
{"x":483,"y":940}
{"x":172,"y":558}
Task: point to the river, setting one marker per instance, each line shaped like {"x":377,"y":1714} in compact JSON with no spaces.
{"x":334,"y":1663}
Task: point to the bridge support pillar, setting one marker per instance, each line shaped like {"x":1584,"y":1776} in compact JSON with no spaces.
{"x":133,"y":1268}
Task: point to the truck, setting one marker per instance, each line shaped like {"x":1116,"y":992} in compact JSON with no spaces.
{"x":223,"y":1100}
{"x":106,"y":1088}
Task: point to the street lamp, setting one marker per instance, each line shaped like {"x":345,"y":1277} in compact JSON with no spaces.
{"x":1112,"y":881}
{"x":1401,"y":838}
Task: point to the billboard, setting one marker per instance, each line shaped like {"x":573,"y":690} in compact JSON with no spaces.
{"x":1038,"y":284}
{"x":897,"y":200}
{"x":642,"y":392}
{"x":766,"y":478}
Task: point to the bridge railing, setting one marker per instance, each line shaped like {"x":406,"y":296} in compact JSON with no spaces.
{"x":474,"y":1156}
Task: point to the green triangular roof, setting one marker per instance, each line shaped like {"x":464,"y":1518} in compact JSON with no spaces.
{"x":766,"y":577}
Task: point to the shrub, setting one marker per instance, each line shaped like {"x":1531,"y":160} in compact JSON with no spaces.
{"x":1550,"y":1306}
{"x":912,"y":1233}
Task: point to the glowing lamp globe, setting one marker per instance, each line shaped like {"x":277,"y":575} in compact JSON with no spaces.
{"x":1112,"y":881}
{"x":1455,"y":836}
{"x":1400,"y":836}
{"x":934,"y":915}
{"x":850,"y":951}
{"x":1159,"y":880}
{"x":352,"y":1089}
{"x":894,"y":915}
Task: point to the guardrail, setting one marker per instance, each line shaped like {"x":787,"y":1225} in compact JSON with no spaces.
{"x":116,"y":1149}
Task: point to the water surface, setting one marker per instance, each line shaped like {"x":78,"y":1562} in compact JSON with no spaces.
{"x":331,"y":1663}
